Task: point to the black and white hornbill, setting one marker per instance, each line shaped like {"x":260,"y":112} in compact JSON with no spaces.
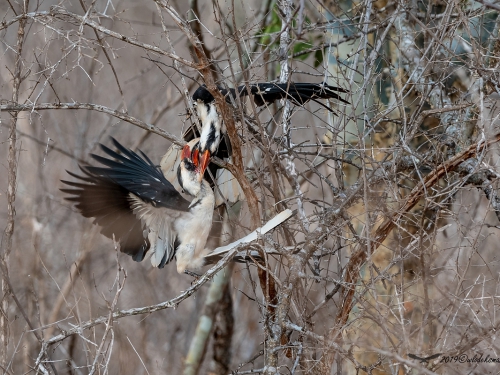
{"x":263,"y":93}
{"x":227,"y":190}
{"x":131,"y":200}
{"x":213,"y":133}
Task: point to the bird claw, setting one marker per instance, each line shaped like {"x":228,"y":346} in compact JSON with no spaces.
{"x":193,"y":274}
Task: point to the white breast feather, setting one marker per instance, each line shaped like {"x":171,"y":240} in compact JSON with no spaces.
{"x":191,"y":228}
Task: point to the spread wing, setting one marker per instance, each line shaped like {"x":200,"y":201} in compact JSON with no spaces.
{"x":108,"y":195}
{"x":139,"y":176}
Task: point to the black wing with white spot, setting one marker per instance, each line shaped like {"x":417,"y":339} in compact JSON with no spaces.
{"x":298,"y":93}
{"x":266,"y":93}
{"x":139,"y":176}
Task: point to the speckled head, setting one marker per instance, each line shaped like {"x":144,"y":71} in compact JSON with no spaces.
{"x":203,"y":94}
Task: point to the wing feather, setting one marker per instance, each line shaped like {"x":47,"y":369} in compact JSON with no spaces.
{"x":299,"y":93}
{"x":138,"y":176}
{"x":108,"y":204}
{"x":159,"y":222}
{"x":268,"y":92}
{"x":108,"y":194}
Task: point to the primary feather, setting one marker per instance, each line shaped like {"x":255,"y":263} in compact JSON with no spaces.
{"x":131,"y":199}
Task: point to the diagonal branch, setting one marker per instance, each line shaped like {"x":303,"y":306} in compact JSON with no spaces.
{"x":223,"y":106}
{"x":230,"y":250}
{"x":360,"y":255}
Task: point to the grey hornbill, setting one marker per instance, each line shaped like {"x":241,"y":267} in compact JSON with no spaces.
{"x":131,"y":200}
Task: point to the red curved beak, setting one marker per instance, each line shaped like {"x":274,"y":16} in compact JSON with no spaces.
{"x":186,"y":153}
{"x":204,"y":160}
{"x":195,"y":157}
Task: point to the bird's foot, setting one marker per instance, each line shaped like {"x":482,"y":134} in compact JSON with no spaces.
{"x":193,"y":274}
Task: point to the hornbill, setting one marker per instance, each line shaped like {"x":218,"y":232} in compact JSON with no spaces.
{"x":213,"y":133}
{"x":263,"y":93}
{"x":131,"y":200}
{"x":227,"y":190}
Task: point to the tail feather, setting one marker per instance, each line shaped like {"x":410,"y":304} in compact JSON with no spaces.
{"x":299,"y":93}
{"x":266,"y":93}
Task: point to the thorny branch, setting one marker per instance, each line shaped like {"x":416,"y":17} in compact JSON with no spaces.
{"x":94,"y":107}
{"x":6,"y":243}
{"x":395,"y":194}
{"x":173,"y":303}
{"x":360,"y":255}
